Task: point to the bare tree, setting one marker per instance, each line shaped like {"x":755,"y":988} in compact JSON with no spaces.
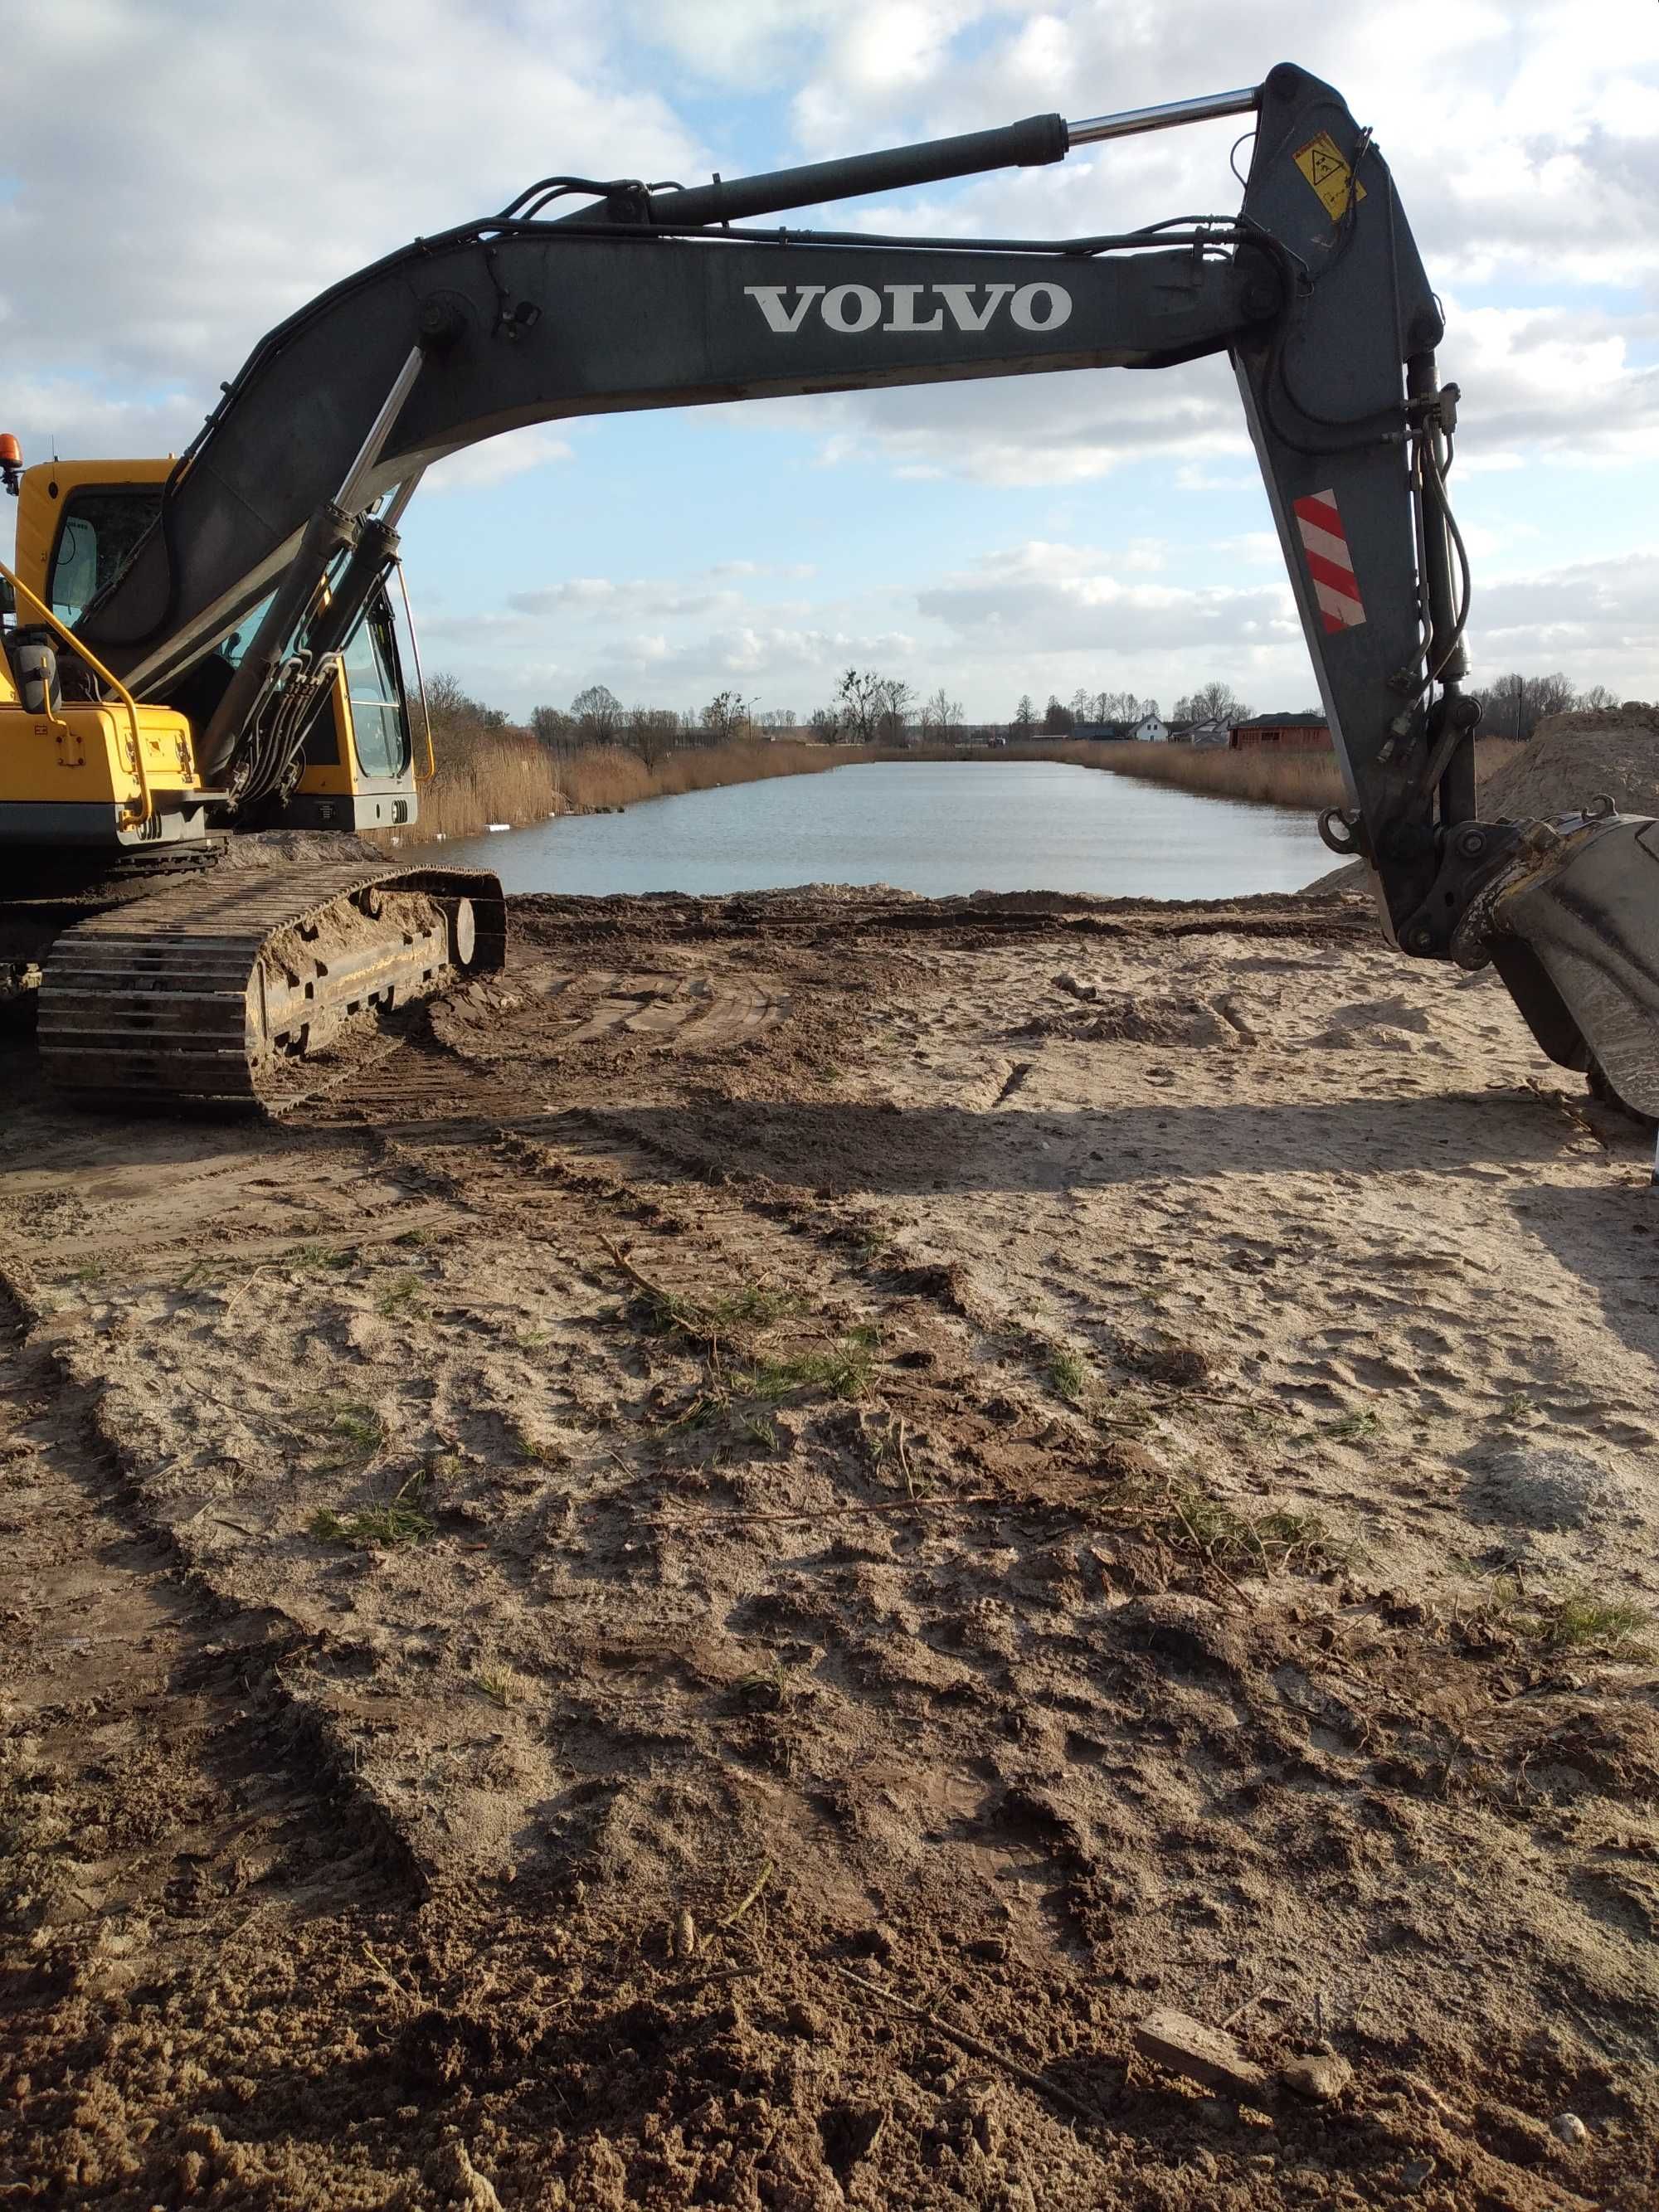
{"x":825,"y":725}
{"x":862,"y":701}
{"x":597,"y":712}
{"x":1597,"y":698}
{"x":726,"y":715}
{"x":1213,"y":701}
{"x":553,"y":728}
{"x":1517,"y":704}
{"x":941,"y":716}
{"x":1025,"y":720}
{"x":896,"y":698}
{"x":1058,"y":721}
{"x":1117,"y":707}
{"x":652,"y":732}
{"x":447,"y":703}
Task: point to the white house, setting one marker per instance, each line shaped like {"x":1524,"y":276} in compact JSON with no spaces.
{"x":1152,"y":729}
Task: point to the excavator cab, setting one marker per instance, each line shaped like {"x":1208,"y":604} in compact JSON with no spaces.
{"x":71,"y":777}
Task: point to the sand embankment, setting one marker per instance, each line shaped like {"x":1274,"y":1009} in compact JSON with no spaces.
{"x":796,"y":1469}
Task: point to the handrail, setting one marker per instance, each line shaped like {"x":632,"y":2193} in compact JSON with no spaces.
{"x":129,"y":819}
{"x":420,"y":678}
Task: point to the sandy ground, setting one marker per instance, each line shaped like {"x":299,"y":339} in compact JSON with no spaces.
{"x":705,"y":1581}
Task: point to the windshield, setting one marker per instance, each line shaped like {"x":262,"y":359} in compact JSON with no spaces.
{"x":101,"y":525}
{"x":376,"y":694}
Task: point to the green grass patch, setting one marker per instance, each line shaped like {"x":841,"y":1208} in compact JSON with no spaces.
{"x":503,"y":1688}
{"x":1254,"y":1542}
{"x":1575,"y":1620}
{"x":398,"y":1295}
{"x":670,"y":1314}
{"x":1069,"y":1375}
{"x":401,"y":1520}
{"x":845,"y":1370}
{"x":1355,"y":1427}
{"x":352,"y":1436}
{"x":320,"y":1259}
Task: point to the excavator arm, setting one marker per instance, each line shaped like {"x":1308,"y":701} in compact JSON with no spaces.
{"x":650,"y":297}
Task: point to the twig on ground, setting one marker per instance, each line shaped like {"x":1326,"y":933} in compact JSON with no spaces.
{"x":619,"y":1259}
{"x":1205,"y":1553}
{"x":960,"y":2036}
{"x":904,"y":1460}
{"x":737,"y":1913}
{"x":241,"y":1292}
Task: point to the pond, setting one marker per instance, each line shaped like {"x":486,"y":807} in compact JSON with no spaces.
{"x":937,"y":827}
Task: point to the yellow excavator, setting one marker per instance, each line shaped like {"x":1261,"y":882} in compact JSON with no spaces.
{"x":200,"y":649}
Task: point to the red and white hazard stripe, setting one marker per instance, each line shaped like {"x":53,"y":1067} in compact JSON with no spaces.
{"x":1329,"y":562}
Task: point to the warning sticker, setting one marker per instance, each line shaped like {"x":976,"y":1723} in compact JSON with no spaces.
{"x":1321,"y":163}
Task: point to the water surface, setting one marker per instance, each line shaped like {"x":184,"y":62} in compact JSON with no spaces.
{"x":937,"y":827}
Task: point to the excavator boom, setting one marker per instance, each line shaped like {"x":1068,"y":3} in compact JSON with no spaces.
{"x":642,"y":297}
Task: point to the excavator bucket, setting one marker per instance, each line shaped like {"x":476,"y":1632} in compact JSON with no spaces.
{"x":1575,"y":935}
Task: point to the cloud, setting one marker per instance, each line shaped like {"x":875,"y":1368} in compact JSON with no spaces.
{"x":496,"y":460}
{"x":1041,"y":598}
{"x":1039,"y":614}
{"x":202,"y":183}
{"x":1594,"y":619}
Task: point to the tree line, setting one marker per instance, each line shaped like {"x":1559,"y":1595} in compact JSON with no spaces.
{"x":873,"y":708}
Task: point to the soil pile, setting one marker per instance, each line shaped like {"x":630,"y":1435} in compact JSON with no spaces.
{"x":1609,"y":752}
{"x":1574,"y":758}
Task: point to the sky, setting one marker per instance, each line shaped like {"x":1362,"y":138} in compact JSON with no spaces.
{"x":1100,"y":529}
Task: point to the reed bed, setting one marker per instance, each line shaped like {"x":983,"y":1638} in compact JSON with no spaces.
{"x":487,"y":777}
{"x":507,"y":775}
{"x":1301,"y":782}
{"x":502,"y":776}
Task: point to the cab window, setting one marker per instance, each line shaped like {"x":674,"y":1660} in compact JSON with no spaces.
{"x":375,"y":691}
{"x":101,"y":525}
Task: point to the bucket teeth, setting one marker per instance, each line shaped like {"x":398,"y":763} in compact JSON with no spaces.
{"x":215,"y":994}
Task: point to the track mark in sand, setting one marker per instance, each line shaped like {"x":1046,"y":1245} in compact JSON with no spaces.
{"x":148,"y":1803}
{"x":1015,"y":1080}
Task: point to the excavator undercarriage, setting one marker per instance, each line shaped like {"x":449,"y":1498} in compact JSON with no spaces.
{"x":229,"y":993}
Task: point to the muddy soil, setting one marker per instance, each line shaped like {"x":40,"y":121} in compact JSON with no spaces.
{"x":705,"y":1581}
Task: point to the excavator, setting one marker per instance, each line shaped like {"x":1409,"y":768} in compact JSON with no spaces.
{"x":204,"y":648}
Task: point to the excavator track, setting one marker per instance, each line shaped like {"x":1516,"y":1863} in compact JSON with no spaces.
{"x":228,"y":995}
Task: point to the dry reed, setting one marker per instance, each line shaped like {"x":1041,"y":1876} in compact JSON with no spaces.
{"x":507,"y":775}
{"x":1260,"y":776}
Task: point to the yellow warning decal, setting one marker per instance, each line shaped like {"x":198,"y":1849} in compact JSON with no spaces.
{"x":1321,"y":163}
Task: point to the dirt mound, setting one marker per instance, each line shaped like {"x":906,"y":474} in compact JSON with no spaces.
{"x":1574,"y":758}
{"x":277,"y":849}
{"x":1570,"y":759}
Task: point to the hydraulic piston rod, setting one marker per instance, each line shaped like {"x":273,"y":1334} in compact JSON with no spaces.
{"x":1133,"y":120}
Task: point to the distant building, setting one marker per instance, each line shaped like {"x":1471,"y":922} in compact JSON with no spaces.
{"x":1107,"y":733}
{"x":1152,"y":729}
{"x":1290,"y":733}
{"x":1210,"y":734}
